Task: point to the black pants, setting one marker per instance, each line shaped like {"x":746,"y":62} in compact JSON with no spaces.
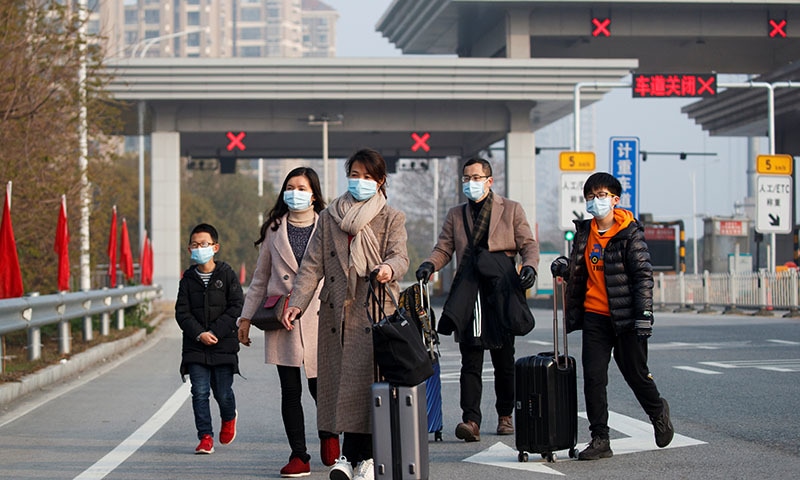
{"x":472,"y":387}
{"x":356,"y":447}
{"x":292,"y":409}
{"x":630,"y":354}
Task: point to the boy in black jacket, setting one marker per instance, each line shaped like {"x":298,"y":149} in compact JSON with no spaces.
{"x":610,"y":297}
{"x":209,"y":302}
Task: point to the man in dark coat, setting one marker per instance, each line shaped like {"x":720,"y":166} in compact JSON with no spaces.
{"x":486,"y":234}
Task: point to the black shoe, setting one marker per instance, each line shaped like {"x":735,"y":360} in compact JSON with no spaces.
{"x":598,"y":448}
{"x":662,"y":426}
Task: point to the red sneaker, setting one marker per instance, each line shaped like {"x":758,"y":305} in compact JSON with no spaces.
{"x":329,"y":450}
{"x":206,"y":445}
{"x":228,"y":431}
{"x":296,"y":468}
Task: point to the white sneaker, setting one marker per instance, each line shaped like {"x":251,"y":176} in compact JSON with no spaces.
{"x":365,"y":470}
{"x":341,"y":470}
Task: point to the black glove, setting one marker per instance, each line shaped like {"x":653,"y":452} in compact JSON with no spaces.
{"x":527,"y":277}
{"x":425,"y":271}
{"x":560,"y":267}
{"x":644,"y":327}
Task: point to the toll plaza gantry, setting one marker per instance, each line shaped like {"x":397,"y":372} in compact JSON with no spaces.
{"x":512,"y":69}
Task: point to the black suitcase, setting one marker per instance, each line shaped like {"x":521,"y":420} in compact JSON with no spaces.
{"x":399,"y":432}
{"x":546,"y":396}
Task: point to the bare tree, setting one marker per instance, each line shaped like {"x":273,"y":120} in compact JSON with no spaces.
{"x":39,"y":104}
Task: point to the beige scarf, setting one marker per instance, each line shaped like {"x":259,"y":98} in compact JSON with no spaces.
{"x":353,"y":218}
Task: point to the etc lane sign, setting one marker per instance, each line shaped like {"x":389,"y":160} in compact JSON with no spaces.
{"x":774,"y":204}
{"x":573,"y":205}
{"x":625,"y":167}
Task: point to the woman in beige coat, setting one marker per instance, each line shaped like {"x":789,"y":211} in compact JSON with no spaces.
{"x":284,"y":237}
{"x":357,"y":234}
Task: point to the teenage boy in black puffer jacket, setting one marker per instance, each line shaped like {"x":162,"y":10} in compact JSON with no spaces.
{"x":209,"y":302}
{"x":610,"y":297}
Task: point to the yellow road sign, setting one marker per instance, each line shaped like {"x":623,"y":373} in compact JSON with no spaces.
{"x":778,"y":164}
{"x":577,"y":161}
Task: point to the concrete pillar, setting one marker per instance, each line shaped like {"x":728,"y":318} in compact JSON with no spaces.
{"x":518,"y":33}
{"x":521,"y":164}
{"x":165,"y":216}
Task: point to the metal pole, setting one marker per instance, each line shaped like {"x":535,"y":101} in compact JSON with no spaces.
{"x":83,"y":162}
{"x":694,"y":224}
{"x":326,"y":190}
{"x":260,"y":191}
{"x":142,"y":223}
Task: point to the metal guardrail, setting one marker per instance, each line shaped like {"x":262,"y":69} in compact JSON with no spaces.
{"x":762,"y":291}
{"x":33,"y":312}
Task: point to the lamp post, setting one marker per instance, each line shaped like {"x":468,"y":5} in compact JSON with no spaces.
{"x":146,"y":44}
{"x":324,"y":120}
{"x":83,"y":148}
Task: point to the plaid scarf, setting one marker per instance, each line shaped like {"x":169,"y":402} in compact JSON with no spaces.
{"x":481,"y":226}
{"x":479,"y":231}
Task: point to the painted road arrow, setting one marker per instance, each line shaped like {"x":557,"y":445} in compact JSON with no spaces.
{"x":639,"y":438}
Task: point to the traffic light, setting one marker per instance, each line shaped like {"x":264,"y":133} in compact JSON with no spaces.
{"x":569,"y":235}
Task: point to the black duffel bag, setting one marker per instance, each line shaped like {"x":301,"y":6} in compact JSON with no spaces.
{"x":396,"y":340}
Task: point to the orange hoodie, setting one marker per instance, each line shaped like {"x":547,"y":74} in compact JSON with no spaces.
{"x":596,"y":295}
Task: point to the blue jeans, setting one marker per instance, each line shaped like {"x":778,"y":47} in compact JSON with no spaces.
{"x":206,"y":379}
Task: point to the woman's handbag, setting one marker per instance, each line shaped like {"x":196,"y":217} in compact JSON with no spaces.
{"x":397,"y":342}
{"x":269,"y":314}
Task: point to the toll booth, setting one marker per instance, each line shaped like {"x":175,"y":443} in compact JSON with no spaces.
{"x":721,"y":235}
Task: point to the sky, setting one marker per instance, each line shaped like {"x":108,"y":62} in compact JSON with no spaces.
{"x":665,"y":181}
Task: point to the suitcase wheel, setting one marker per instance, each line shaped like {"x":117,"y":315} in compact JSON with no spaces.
{"x":437,"y":436}
{"x":522,"y":457}
{"x":550,"y":457}
{"x":573,"y":453}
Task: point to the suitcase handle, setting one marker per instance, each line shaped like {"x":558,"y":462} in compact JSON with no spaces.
{"x":559,"y":290}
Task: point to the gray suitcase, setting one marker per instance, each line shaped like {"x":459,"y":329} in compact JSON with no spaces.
{"x":399,"y":432}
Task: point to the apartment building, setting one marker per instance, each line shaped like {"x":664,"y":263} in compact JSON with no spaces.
{"x":215,"y":28}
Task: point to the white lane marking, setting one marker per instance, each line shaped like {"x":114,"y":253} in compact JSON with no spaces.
{"x":540,"y":342}
{"x":783,"y":342}
{"x":697,"y":370}
{"x":639,"y":439}
{"x":776,"y":364}
{"x":640,"y":435}
{"x":501,"y":455}
{"x":128,"y":447}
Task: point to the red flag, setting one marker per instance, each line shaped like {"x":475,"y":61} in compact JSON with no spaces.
{"x":112,"y":249}
{"x":10,"y":274}
{"x":125,"y":254}
{"x":146,"y":262}
{"x":62,"y":246}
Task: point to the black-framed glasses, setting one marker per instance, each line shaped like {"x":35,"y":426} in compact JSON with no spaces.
{"x":194,"y":245}
{"x":600,"y":195}
{"x":474,"y":178}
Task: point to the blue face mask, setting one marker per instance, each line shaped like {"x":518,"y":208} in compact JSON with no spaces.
{"x":473,"y":190}
{"x":599,"y":207}
{"x":297,"y":200}
{"x":362,"y":189}
{"x":202,"y":255}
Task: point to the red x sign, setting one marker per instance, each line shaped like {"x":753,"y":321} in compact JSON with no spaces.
{"x":778,"y":28}
{"x":236,"y":141}
{"x":602,"y":27}
{"x":420,"y":142}
{"x":703,"y":86}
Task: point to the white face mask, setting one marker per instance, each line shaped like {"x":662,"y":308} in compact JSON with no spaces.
{"x":202,"y":255}
{"x":362,"y":189}
{"x":473,"y":190}
{"x":297,"y":200}
{"x":599,"y":207}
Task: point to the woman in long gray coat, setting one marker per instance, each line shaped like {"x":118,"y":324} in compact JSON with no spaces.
{"x":357,"y":234}
{"x":283,"y":240}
